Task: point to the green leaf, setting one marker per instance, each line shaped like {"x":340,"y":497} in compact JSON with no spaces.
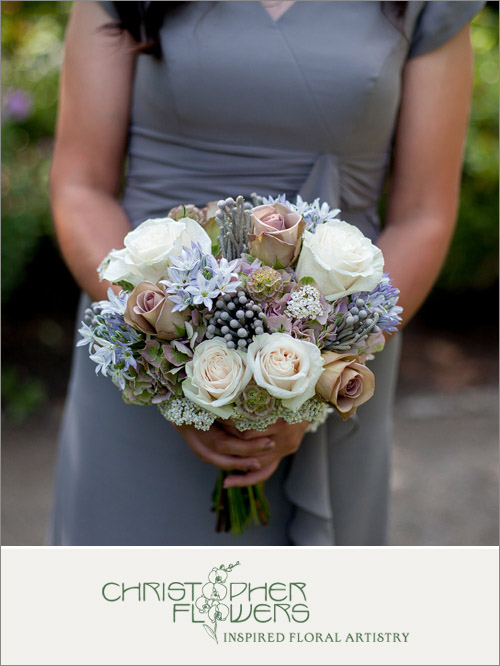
{"x":126,"y":286}
{"x":180,"y":331}
{"x":210,"y":632}
{"x":307,"y":280}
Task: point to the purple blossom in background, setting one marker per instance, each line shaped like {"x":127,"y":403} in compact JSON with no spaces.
{"x":16,"y":106}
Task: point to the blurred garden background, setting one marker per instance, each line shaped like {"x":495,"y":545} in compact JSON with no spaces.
{"x":449,"y":368}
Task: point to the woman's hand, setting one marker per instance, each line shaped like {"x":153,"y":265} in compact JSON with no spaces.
{"x":286,"y":438}
{"x":225,"y":450}
{"x":256,"y":454}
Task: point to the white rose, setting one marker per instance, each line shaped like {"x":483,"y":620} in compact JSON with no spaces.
{"x":341,"y":259}
{"x":216,"y":376}
{"x":148,"y":249}
{"x":287,"y":368}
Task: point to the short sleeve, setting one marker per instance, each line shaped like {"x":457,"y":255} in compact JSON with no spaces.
{"x":438,"y":22}
{"x":109,"y":8}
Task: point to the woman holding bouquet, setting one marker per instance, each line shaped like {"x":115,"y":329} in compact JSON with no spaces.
{"x":308,"y":98}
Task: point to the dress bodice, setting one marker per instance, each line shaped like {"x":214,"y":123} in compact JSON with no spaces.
{"x":305,"y":104}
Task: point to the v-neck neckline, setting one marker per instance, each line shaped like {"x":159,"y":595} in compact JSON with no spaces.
{"x":281,"y":17}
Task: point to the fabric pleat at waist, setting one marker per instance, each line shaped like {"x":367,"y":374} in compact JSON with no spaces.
{"x":167,"y":169}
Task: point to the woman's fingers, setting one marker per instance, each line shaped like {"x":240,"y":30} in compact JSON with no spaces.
{"x":222,"y":461}
{"x":222,"y":442}
{"x":217,"y":447}
{"x":203,"y":444}
{"x":252,"y":477}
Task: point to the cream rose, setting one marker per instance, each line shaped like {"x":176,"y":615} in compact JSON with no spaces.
{"x":340,"y":259}
{"x":148,"y":249}
{"x":276,"y":235}
{"x":216,"y":376}
{"x":287,"y":368}
{"x":346,"y":383}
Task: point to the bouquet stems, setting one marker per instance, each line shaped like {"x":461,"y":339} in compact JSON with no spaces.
{"x":237,"y":508}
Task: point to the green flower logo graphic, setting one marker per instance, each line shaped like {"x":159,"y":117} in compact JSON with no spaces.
{"x":213,"y":593}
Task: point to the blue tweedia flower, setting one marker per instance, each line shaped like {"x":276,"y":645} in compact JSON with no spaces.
{"x":112,"y":342}
{"x":281,"y":198}
{"x":225,"y":273}
{"x":203,"y":291}
{"x":382,"y":300}
{"x":116,"y":303}
{"x":181,"y":297}
{"x":315,"y":213}
{"x":195,"y":278}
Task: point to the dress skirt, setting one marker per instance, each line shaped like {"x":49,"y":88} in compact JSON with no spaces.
{"x":126,"y":477}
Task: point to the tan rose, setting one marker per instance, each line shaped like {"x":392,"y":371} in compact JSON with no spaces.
{"x":188,"y":210}
{"x":150,"y":311}
{"x":276,"y":235}
{"x":345,"y":383}
{"x":209,"y":211}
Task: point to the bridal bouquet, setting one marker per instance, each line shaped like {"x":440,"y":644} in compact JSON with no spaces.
{"x":243,"y":312}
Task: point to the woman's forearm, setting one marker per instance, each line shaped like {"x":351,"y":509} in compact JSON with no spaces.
{"x":89,"y":223}
{"x":92,"y":128}
{"x":425,"y":180}
{"x":414,"y":253}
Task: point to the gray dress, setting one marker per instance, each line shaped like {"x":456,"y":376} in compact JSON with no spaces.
{"x":241,"y":103}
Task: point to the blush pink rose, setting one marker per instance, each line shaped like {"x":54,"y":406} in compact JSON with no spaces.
{"x":345,"y":383}
{"x":276,"y":235}
{"x":150,"y":311}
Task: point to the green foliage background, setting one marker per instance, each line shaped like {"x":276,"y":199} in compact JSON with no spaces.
{"x":32,"y":37}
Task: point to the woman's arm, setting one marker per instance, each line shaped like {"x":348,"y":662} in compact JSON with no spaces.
{"x":94,"y":103}
{"x":429,"y":143}
{"x":92,"y":127}
{"x":424,"y":193}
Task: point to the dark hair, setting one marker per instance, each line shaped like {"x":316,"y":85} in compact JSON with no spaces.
{"x":143,"y":20}
{"x":395,"y":13}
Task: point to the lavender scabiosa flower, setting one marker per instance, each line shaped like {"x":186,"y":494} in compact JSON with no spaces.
{"x":264,"y":283}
